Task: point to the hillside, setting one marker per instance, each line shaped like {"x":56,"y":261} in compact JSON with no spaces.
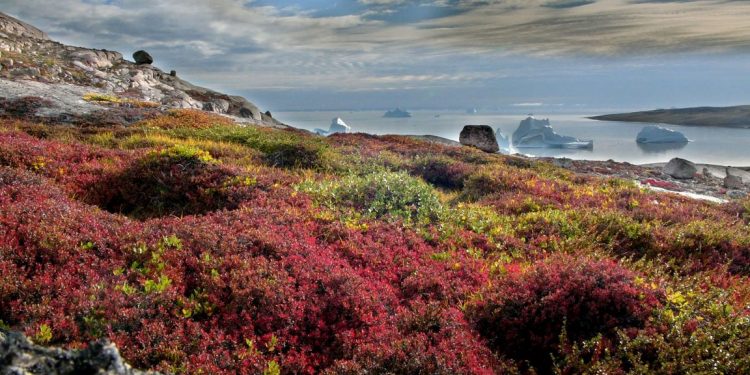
{"x":117,"y":91}
{"x":734,"y":117}
{"x":200,"y":245}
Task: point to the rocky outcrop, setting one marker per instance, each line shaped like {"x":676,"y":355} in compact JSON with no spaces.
{"x":732,"y":180}
{"x":660,"y":134}
{"x":26,"y":54}
{"x":479,"y":136}
{"x":142,"y":57}
{"x":680,"y":169}
{"x":18,"y":355}
{"x":12,"y":26}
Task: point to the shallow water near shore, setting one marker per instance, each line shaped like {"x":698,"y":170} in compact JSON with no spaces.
{"x":612,"y":140}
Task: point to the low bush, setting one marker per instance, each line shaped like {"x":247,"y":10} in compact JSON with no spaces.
{"x":443,"y":171}
{"x":179,"y":180}
{"x":186,"y":118}
{"x":523,"y":314}
{"x":288,"y":149}
{"x":381,"y":194}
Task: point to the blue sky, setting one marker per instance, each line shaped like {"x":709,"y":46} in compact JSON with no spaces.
{"x":569,"y":55}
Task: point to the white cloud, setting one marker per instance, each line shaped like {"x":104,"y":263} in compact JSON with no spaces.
{"x":237,"y":45}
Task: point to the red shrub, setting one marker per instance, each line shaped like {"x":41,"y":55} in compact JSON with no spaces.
{"x":176,"y":181}
{"x":523,"y":314}
{"x":443,"y":172}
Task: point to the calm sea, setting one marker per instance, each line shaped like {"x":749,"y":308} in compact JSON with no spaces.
{"x":612,"y":140}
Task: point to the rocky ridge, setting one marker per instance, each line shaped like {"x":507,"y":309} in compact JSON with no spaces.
{"x":18,"y":355}
{"x":27,"y":55}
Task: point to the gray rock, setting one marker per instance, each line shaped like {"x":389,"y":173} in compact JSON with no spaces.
{"x":736,"y":194}
{"x":680,"y":169}
{"x":18,"y":355}
{"x":733,"y":182}
{"x":479,"y":136}
{"x":13,"y":26}
{"x":218,"y":106}
{"x":97,"y":58}
{"x":142,"y":57}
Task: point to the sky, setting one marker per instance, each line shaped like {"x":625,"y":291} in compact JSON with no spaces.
{"x":581,"y":56}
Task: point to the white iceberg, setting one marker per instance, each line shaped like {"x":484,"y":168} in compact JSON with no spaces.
{"x":337,"y":126}
{"x":502,"y":141}
{"x":533,"y":133}
{"x":659,"y":134}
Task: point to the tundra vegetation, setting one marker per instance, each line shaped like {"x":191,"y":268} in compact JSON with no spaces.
{"x":200,"y":246}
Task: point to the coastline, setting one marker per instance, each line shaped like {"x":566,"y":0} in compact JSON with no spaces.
{"x":707,"y":184}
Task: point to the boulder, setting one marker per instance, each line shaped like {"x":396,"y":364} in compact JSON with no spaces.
{"x":660,"y":134}
{"x":680,"y":169}
{"x":479,"y":136}
{"x":142,"y":57}
{"x":18,"y":355}
{"x":733,"y":182}
{"x":533,"y":133}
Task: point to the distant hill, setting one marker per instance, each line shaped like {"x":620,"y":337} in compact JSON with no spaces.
{"x":734,"y":117}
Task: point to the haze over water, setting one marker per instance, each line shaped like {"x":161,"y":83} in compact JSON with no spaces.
{"x":612,"y":140}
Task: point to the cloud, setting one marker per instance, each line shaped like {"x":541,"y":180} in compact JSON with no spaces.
{"x":246,"y":45}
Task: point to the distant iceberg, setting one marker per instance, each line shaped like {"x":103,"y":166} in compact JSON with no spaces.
{"x":337,"y":126}
{"x":397,"y":113}
{"x":502,"y":141}
{"x":660,"y":134}
{"x":533,"y":133}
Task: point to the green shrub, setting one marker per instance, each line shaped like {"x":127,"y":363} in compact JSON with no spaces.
{"x":281,"y":148}
{"x":380,"y":194}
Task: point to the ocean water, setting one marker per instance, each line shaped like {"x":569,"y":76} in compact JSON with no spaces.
{"x":612,"y":140}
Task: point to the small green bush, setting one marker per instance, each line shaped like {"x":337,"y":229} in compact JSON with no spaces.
{"x":281,"y":148}
{"x":380,"y":194}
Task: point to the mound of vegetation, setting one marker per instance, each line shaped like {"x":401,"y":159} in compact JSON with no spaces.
{"x":274,"y":251}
